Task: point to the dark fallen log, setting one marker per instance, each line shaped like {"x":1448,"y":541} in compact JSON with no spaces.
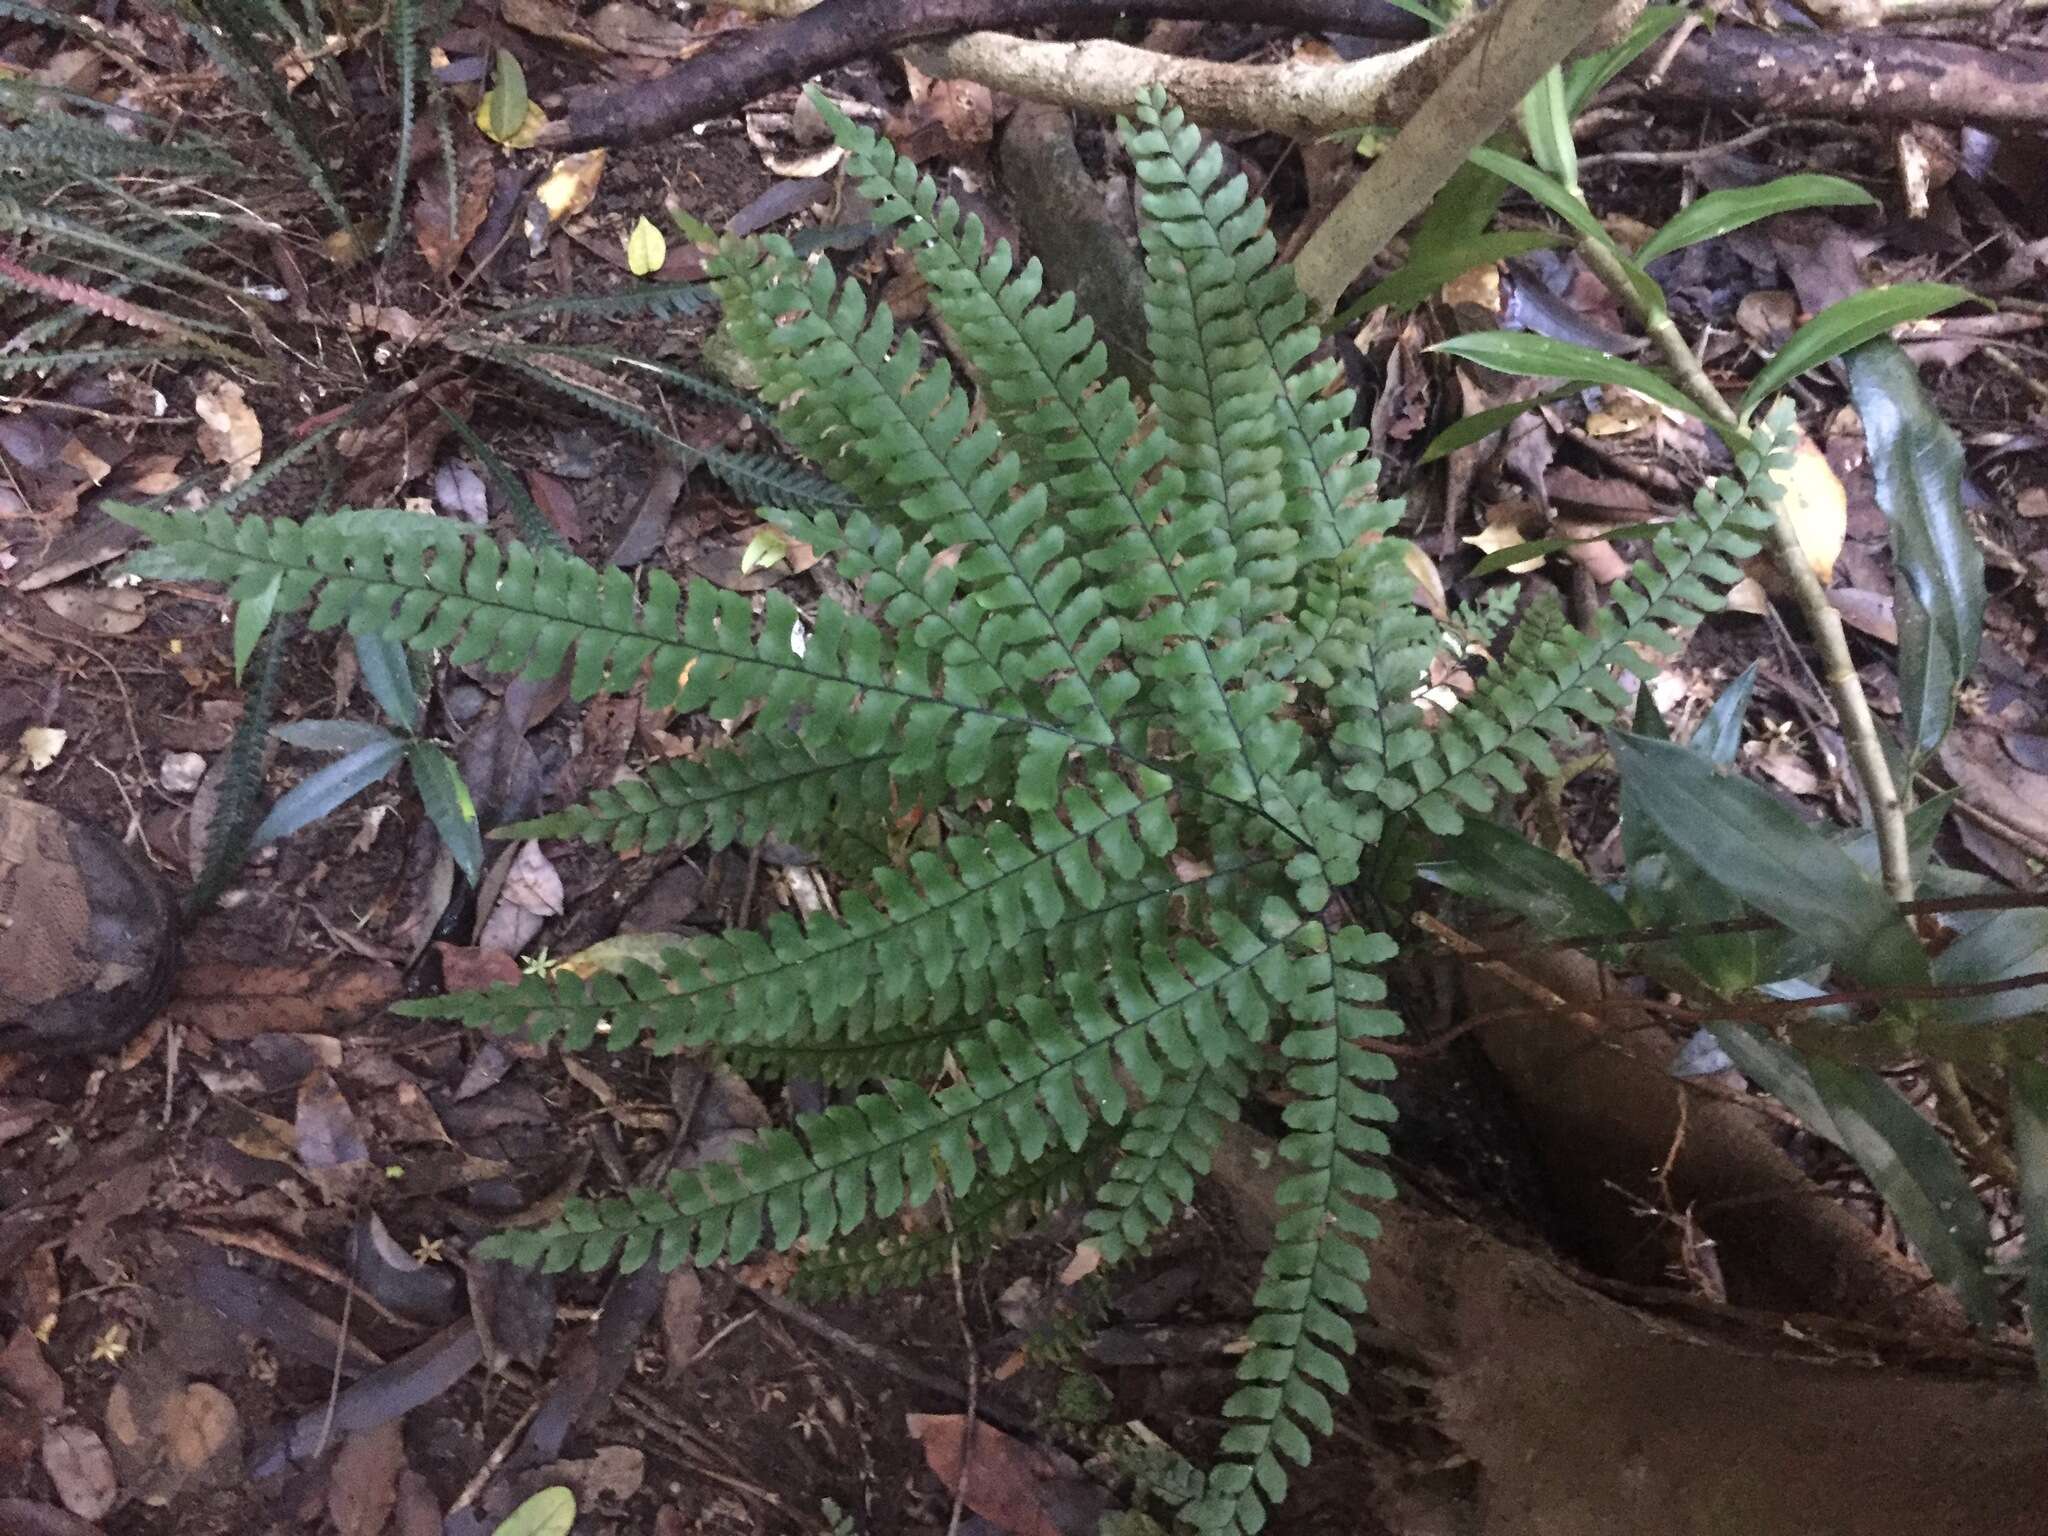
{"x":1860,"y":75}
{"x":1866,"y":75}
{"x":767,"y":58}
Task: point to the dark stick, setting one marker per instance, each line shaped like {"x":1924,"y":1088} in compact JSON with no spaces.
{"x":723,"y":80}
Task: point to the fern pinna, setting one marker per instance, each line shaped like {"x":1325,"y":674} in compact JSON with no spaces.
{"x":1153,"y":670}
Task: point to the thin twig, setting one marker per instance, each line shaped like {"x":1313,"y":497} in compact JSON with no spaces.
{"x":973,"y":1366}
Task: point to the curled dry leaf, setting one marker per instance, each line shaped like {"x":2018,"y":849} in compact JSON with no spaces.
{"x":230,"y":434}
{"x":441,"y":234}
{"x":100,"y":610}
{"x":567,"y":189}
{"x":81,"y":1470}
{"x":201,"y":1427}
{"x":1013,"y":1486}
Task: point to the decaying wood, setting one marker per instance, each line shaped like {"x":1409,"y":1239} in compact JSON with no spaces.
{"x":1586,"y":1417}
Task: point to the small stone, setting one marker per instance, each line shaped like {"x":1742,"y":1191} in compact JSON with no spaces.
{"x":181,"y":772}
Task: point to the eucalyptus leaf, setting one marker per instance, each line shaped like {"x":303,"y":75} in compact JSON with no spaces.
{"x":1544,"y":358}
{"x":1756,"y":848}
{"x":448,"y":805}
{"x":1733,"y":207}
{"x":1849,"y":323}
{"x":1918,"y":466}
{"x":325,"y":791}
{"x":1912,"y":1167}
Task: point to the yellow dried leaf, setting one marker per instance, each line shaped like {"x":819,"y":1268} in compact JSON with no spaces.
{"x":1817,"y":505}
{"x":523,"y":137}
{"x":567,"y":189}
{"x":646,"y":250}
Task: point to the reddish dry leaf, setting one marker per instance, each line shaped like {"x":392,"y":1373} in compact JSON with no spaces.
{"x":1007,"y":1480}
{"x":682,"y":1318}
{"x":201,"y":1427}
{"x":81,"y":1469}
{"x":441,"y":243}
{"x":29,"y":1376}
{"x":471,"y":970}
{"x":362,"y":1487}
{"x":418,"y":1512}
{"x":557,"y":504}
{"x":239,"y":1002}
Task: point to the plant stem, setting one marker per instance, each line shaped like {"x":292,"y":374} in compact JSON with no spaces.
{"x":1838,"y":670}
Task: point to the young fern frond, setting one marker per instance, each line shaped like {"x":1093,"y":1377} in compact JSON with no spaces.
{"x":403,"y":32}
{"x":1158,"y":687}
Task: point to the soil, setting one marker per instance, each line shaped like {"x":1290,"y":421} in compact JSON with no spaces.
{"x":269,"y":1193}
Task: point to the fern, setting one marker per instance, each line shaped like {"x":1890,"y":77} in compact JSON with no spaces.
{"x":1149,"y":675}
{"x":405,"y":53}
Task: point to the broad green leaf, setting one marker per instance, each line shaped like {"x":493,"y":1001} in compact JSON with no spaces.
{"x":253,"y":607}
{"x":2030,"y":1151}
{"x":1912,"y":1167}
{"x":1501,"y":868}
{"x":551,"y":1512}
{"x":1584,"y":77}
{"x":1918,"y":466}
{"x":1718,"y":736}
{"x":1483,"y":424}
{"x":1545,"y":358}
{"x":1417,"y":279}
{"x":1536,"y":549}
{"x":505,"y":114}
{"x":448,"y":805}
{"x":2011,"y":944}
{"x":332,"y":735}
{"x":1756,"y":848}
{"x":1780,"y":1071}
{"x":1923,"y":824}
{"x":333,"y":786}
{"x":1547,"y":124}
{"x":1719,"y":212}
{"x":387,"y":673}
{"x":1849,"y":323}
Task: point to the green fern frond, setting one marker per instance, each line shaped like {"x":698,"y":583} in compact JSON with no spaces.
{"x":402,"y":30}
{"x":90,"y":357}
{"x":659,"y":301}
{"x":252,"y":82}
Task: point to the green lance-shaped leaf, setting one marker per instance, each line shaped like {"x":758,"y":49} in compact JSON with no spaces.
{"x":449,"y":806}
{"x":1849,"y":323}
{"x":1741,"y":836}
{"x":333,"y":786}
{"x":1544,"y":357}
{"x":1918,"y":465}
{"x":1733,"y":207}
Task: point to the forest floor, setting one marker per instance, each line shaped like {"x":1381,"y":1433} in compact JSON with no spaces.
{"x":233,"y":1255}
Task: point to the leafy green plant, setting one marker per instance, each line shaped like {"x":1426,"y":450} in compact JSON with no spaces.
{"x":1154,"y":677}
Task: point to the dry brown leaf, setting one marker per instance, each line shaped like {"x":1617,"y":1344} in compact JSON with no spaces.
{"x":633,"y":30}
{"x":1817,"y":505}
{"x":101,"y":610}
{"x":30,"y":1377}
{"x":82,"y":1470}
{"x":2032,"y":502}
{"x":682,"y":1318}
{"x":439,"y":243}
{"x":200,"y":1424}
{"x":230,"y":434}
{"x":1007,"y":1481}
{"x":569,"y":186}
{"x":238,"y":1002}
{"x":362,"y":1488}
{"x":950,"y":118}
{"x":1505,"y":521}
{"x":1429,"y":581}
{"x":549,"y":19}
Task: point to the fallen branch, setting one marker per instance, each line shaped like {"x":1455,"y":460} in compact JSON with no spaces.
{"x":1867,"y":76}
{"x":812,"y":40}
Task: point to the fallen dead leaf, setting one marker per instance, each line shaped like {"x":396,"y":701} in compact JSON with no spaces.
{"x":633,"y":30}
{"x":26,"y":1373}
{"x":2032,"y":502}
{"x":569,"y":186}
{"x":470,"y":970}
{"x":239,"y":1002}
{"x":200,"y":1426}
{"x":682,"y":1319}
{"x":81,"y":1469}
{"x":614,"y":1472}
{"x":325,"y":1128}
{"x":549,"y":19}
{"x":362,"y":1488}
{"x":1505,"y":522}
{"x":99,"y":610}
{"x":1817,"y":504}
{"x":230,"y":434}
{"x":41,"y":744}
{"x":442,"y":239}
{"x":1008,"y":1483}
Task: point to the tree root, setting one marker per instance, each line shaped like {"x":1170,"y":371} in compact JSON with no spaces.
{"x":1586,"y":1417}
